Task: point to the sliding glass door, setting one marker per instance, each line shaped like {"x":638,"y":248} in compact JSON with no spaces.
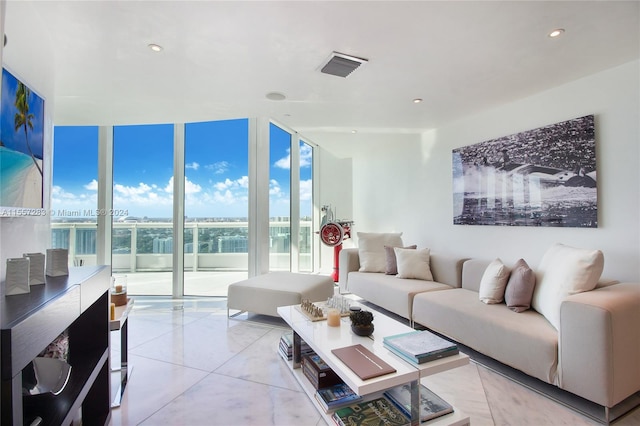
{"x":142,"y":238}
{"x":74,"y":192}
{"x":279,"y":199}
{"x":216,"y":205}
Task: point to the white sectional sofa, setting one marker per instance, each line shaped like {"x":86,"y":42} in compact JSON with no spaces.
{"x":594,"y":353}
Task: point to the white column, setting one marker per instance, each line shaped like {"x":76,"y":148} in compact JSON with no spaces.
{"x":178,"y":210}
{"x":258,"y":196}
{"x":294,"y":203}
{"x":105,"y":195}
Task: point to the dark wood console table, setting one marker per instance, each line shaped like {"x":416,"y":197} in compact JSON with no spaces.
{"x":79,"y":304}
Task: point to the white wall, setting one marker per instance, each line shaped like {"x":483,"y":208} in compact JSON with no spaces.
{"x":335,"y":190}
{"x":20,"y":235}
{"x":404,"y":182}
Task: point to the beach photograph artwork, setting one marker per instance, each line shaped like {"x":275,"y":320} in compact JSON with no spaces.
{"x":21,"y":145}
{"x":540,"y":177}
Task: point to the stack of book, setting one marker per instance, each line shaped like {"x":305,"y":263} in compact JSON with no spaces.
{"x":336,"y":396}
{"x":431,"y":405}
{"x":379,"y":411}
{"x":419,"y":346}
{"x":285,"y":348}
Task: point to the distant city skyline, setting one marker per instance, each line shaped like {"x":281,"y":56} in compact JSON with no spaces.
{"x":216,"y":171}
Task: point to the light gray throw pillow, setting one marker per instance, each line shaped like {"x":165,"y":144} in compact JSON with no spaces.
{"x":519,"y":291}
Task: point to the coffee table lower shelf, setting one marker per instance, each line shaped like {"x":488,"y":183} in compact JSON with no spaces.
{"x":457,"y":418}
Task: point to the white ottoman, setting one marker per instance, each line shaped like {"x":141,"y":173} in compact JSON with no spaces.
{"x":264,"y":293}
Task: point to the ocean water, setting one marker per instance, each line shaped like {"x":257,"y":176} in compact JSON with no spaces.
{"x":14,"y":168}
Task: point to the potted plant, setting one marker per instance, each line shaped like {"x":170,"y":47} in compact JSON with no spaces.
{"x":361,"y":322}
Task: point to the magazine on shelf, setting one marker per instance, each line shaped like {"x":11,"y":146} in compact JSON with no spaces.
{"x":420,"y":346}
{"x":336,"y":396}
{"x":431,"y":405}
{"x":379,"y":411}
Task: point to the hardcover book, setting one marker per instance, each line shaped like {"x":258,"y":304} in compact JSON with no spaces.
{"x":420,"y":346}
{"x":377,"y":412}
{"x":363,"y":362}
{"x":336,"y":396}
{"x":431,"y":405}
{"x":421,"y":360}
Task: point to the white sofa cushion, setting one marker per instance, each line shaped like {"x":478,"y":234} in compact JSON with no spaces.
{"x":413,"y":264}
{"x":564,"y":271}
{"x":493,"y":282}
{"x":371,"y":249}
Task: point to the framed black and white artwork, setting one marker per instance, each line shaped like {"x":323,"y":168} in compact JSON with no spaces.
{"x":540,"y":177}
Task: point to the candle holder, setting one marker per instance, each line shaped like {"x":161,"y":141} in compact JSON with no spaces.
{"x":119,"y":290}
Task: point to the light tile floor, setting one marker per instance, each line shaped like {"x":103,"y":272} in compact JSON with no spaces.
{"x":191,"y":366}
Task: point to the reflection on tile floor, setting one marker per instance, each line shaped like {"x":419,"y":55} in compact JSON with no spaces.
{"x":191,"y":366}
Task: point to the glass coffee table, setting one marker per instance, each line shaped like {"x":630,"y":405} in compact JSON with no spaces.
{"x":322,"y":339}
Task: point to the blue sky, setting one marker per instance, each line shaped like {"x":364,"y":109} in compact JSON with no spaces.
{"x":216,"y":170}
{"x":9,"y":137}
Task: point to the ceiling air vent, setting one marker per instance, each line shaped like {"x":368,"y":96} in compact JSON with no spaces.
{"x":342,"y":65}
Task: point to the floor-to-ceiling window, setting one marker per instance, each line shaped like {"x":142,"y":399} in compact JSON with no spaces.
{"x":279,"y":199}
{"x":216,"y":206}
{"x":215,"y":201}
{"x":142,"y":238}
{"x":74,"y":192}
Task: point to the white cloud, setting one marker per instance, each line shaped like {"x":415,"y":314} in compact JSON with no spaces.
{"x":242,"y":182}
{"x":189,"y":187}
{"x":92,"y":186}
{"x":218,"y":168}
{"x":306,"y":189}
{"x":64,"y":200}
{"x":274,"y":188}
{"x":57,"y":192}
{"x":127,"y":191}
{"x":284,"y":162}
{"x":224,"y":197}
{"x":194,"y":166}
{"x":306,"y":157}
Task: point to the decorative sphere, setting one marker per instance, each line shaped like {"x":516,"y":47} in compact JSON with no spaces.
{"x":362,"y":330}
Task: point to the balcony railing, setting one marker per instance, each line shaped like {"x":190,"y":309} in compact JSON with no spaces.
{"x":208,"y":246}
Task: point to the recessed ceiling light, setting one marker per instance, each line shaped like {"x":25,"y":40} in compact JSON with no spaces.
{"x":417,"y":100}
{"x":276,"y":96}
{"x":556,"y":33}
{"x":354,"y":131}
{"x":155,"y":47}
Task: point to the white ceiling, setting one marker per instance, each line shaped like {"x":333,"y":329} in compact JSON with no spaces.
{"x":220,"y":59}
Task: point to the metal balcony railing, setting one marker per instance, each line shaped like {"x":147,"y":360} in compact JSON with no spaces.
{"x":208,"y":245}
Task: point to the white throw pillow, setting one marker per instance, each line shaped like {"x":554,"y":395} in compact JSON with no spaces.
{"x":564,"y":271}
{"x":413,"y":263}
{"x":493,"y":282}
{"x":371,"y":249}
